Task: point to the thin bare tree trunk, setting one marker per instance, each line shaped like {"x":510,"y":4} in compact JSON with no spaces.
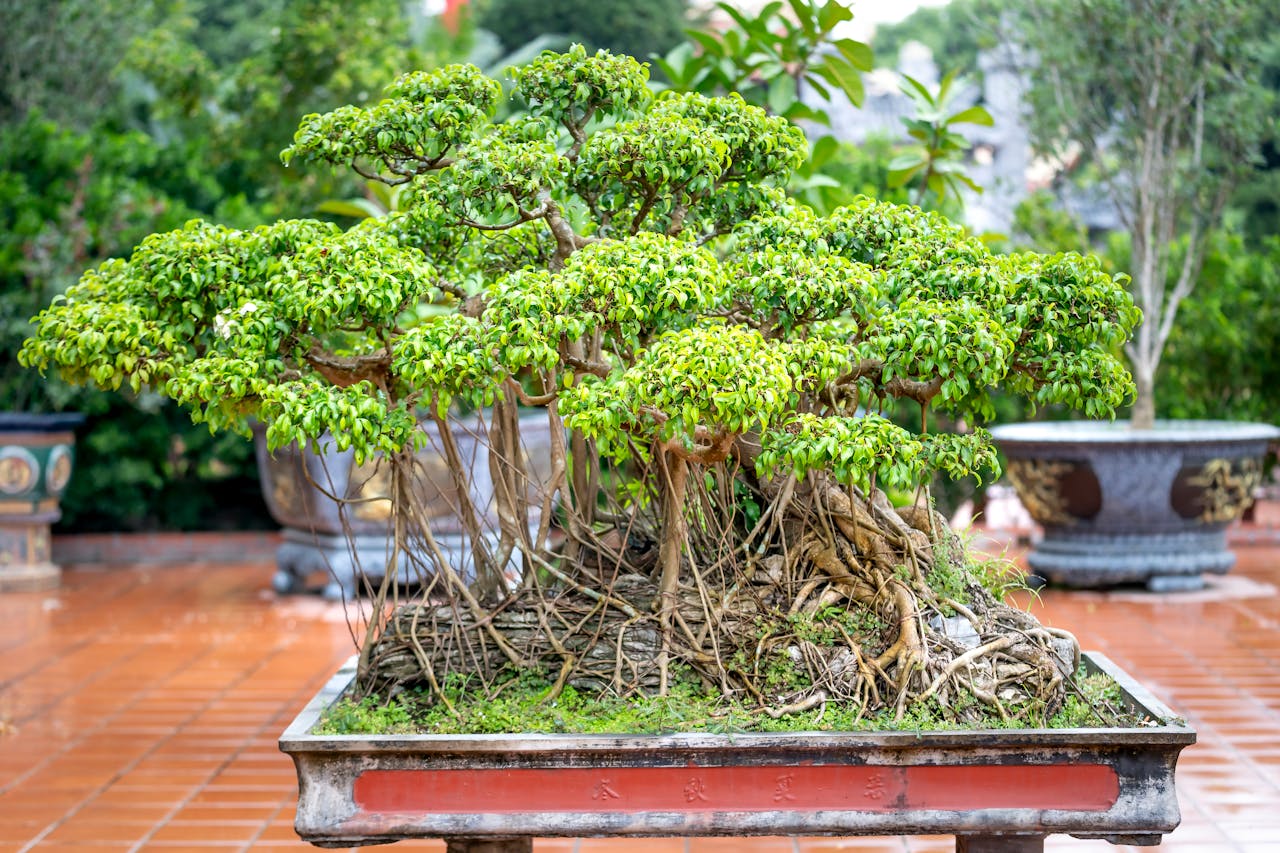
{"x":1144,"y":405}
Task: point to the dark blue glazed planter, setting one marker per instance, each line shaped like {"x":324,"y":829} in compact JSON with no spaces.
{"x":1124,"y":506}
{"x":37,"y":453}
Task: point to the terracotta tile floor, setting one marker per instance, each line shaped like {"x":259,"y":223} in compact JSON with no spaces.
{"x":140,"y":706}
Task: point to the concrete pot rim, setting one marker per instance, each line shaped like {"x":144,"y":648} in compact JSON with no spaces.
{"x":1119,"y":433}
{"x":39,"y":422}
{"x":298,"y":737}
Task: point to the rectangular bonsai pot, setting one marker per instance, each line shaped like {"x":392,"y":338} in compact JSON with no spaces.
{"x":1014,"y":784}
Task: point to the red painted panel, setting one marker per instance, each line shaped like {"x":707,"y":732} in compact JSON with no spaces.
{"x":1079,"y":787}
{"x":736,"y":789}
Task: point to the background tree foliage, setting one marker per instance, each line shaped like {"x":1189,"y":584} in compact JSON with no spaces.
{"x":1165,"y":101}
{"x":955,"y":32}
{"x":119,"y":119}
{"x":636,"y":29}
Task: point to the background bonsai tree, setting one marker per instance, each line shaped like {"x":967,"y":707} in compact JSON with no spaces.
{"x":713,"y":362}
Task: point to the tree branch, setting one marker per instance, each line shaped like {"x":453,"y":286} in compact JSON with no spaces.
{"x":345,"y":371}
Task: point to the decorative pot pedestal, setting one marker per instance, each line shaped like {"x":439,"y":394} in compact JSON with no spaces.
{"x":24,"y":554}
{"x":1122,"y":506}
{"x":997,"y":791}
{"x":36,"y":456}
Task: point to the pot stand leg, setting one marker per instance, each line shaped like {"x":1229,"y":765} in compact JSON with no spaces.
{"x":489,"y":845}
{"x":999,"y":844}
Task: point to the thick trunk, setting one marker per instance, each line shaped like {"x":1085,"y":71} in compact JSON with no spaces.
{"x":673,"y":536}
{"x":673,"y":524}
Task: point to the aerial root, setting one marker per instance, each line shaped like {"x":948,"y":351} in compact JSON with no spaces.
{"x":840,"y":613}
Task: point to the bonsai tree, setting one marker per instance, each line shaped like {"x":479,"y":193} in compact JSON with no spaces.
{"x":713,"y":362}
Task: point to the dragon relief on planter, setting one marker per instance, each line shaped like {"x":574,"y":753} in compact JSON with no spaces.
{"x":284,"y":492}
{"x":372,"y":501}
{"x":1055,"y":492}
{"x":1218,"y":491}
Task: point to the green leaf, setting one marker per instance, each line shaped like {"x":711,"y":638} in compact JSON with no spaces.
{"x":356,"y":208}
{"x":711,"y":45}
{"x":844,"y":77}
{"x":900,"y":177}
{"x":859,"y":55}
{"x":920,"y":90}
{"x":834,"y":12}
{"x":782,"y":93}
{"x":909,"y":160}
{"x":803,"y":10}
{"x":974,"y":115}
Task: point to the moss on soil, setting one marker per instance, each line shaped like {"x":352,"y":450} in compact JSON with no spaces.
{"x":523,"y":706}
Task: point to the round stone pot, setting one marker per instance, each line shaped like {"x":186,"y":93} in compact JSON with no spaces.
{"x":1124,"y":506}
{"x":36,"y":456}
{"x":336,"y":514}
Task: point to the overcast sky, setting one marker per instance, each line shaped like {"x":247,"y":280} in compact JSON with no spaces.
{"x":868,"y":13}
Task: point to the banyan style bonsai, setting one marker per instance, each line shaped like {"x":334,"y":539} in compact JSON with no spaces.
{"x":729,"y":502}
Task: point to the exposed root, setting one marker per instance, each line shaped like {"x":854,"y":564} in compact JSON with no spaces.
{"x":847,"y":601}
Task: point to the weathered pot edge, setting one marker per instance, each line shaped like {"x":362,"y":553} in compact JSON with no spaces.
{"x":1143,"y":760}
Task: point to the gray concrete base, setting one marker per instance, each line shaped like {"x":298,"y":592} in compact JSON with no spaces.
{"x":1164,"y":562}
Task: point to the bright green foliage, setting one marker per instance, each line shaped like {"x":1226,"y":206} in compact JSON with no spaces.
{"x":780,"y":49}
{"x":693,"y":384}
{"x":648,"y":173}
{"x":573,"y":87}
{"x":943,"y":316}
{"x":626,"y":287}
{"x":857,"y":451}
{"x":783,"y":290}
{"x":233,"y":322}
{"x":424,"y":117}
{"x":960,"y":455}
{"x":644,"y":272}
{"x":935,"y":164}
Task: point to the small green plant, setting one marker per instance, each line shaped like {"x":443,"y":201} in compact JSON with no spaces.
{"x":368,"y":715}
{"x":935,"y":164}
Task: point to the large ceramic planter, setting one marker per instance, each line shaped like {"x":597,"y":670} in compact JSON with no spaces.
{"x":336,"y":514}
{"x":1120,"y":505}
{"x":36,"y":456}
{"x":997,"y":790}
